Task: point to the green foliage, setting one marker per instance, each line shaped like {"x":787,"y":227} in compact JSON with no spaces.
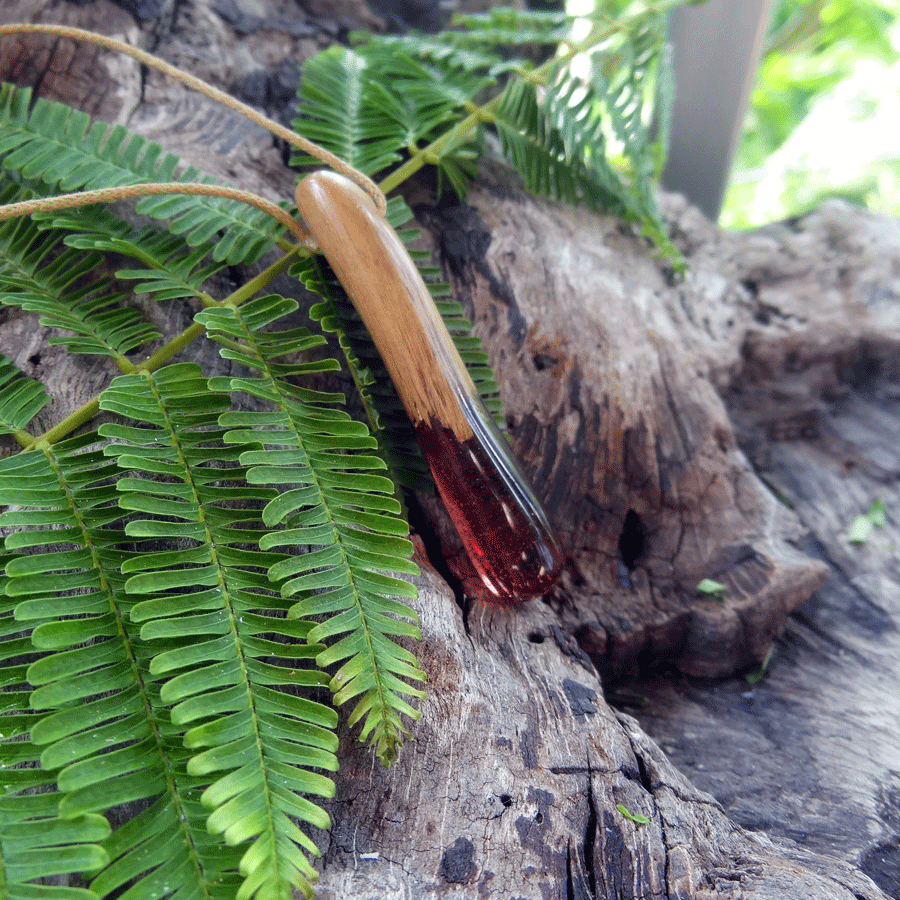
{"x":63,"y":288}
{"x":564,"y":137}
{"x":638,"y":818}
{"x":21,"y":398}
{"x":189,"y":592}
{"x":757,"y":675}
{"x":150,"y":649}
{"x":171,"y":272}
{"x":709,"y":587}
{"x":328,"y":498}
{"x":164,"y":577}
{"x":34,"y":841}
{"x":820,"y":118}
{"x":586,"y":139}
{"x":56,"y":149}
{"x":861,"y":527}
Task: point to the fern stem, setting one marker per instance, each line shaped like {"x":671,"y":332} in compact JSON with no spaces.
{"x":485,"y":114}
{"x":260,"y":281}
{"x":110,"y":195}
{"x":428,"y":154}
{"x":25,"y":439}
{"x":197,"y":84}
{"x":169,"y":350}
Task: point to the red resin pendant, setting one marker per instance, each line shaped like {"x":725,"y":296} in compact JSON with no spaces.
{"x":501,"y":523}
{"x":503,"y":528}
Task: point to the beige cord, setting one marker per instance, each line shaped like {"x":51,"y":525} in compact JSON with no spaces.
{"x":109,"y":195}
{"x":197,"y":84}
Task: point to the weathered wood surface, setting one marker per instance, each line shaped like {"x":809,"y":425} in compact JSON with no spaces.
{"x":627,"y":390}
{"x":812,"y":754}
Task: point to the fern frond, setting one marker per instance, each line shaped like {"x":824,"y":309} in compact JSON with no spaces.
{"x":426,"y":99}
{"x":582,"y":142}
{"x":331,"y":500}
{"x":632,"y":83}
{"x":388,"y":419}
{"x":173,"y":270}
{"x":106,"y":723}
{"x":593,"y":142}
{"x":66,"y":294}
{"x":62,"y":287}
{"x":427,"y":90}
{"x":36,"y":843}
{"x":507,"y":27}
{"x":372,"y":105}
{"x":54,"y":145}
{"x":340,"y":112}
{"x":538,"y":150}
{"x":442,"y":50}
{"x":93,"y":714}
{"x":168,"y":847}
{"x":228,"y":661}
{"x":21,"y":398}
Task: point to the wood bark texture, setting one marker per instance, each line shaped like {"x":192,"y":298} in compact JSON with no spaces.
{"x":728,"y":424}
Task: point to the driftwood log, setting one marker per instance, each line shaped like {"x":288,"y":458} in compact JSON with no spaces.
{"x":729,"y":424}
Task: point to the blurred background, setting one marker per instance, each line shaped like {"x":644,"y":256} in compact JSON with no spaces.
{"x":824,"y":114}
{"x":779,"y":104}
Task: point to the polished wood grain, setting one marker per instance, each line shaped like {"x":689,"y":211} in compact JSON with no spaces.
{"x":396,"y":307}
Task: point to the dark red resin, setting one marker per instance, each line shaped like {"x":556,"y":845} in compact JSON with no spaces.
{"x":502,"y":525}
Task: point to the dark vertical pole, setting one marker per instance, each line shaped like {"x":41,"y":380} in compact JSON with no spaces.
{"x":716,"y":47}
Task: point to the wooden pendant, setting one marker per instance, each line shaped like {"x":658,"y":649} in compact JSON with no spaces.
{"x":501,"y":523}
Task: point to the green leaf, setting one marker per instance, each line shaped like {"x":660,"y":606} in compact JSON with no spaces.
{"x":637,"y":818}
{"x":757,"y":675}
{"x":307,"y":442}
{"x":65,"y":289}
{"x":859,"y":530}
{"x":339,"y":111}
{"x":710,"y":588}
{"x":372,"y":104}
{"x":512,"y":27}
{"x":36,"y":841}
{"x":36,"y":844}
{"x":877,"y":514}
{"x":90,"y":695}
{"x":861,"y":527}
{"x":565,"y":163}
{"x":172,"y":269}
{"x":55,"y":146}
{"x":226,"y":682}
{"x":21,"y":398}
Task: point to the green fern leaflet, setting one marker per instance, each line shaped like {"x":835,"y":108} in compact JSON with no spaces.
{"x":333,"y":500}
